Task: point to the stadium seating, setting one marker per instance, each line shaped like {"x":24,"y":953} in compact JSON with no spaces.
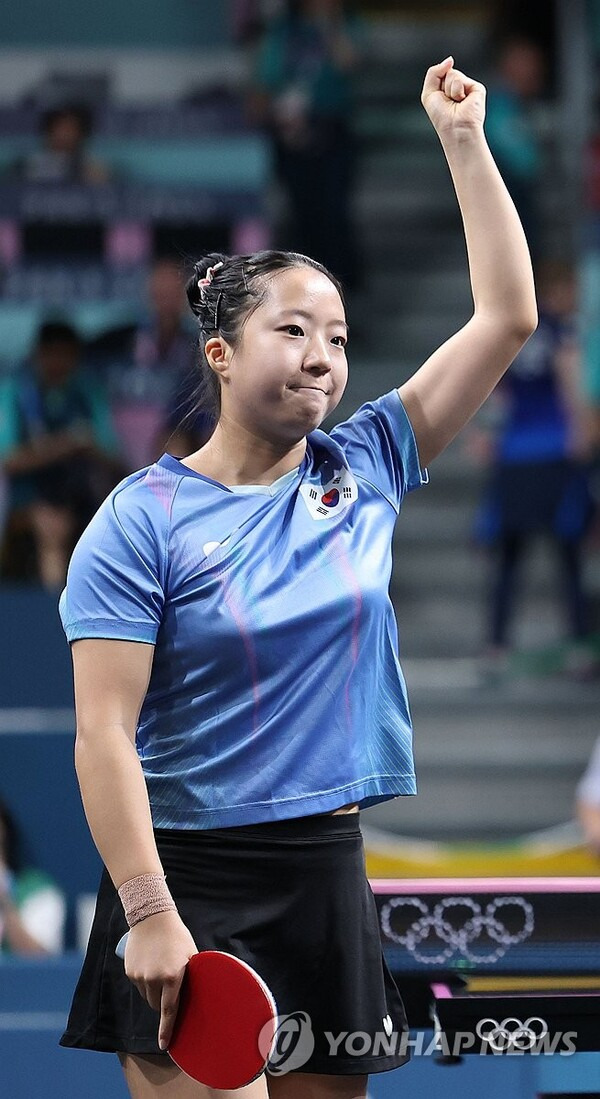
{"x":192,"y":173}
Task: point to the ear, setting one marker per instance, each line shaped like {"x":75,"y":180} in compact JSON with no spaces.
{"x":218,"y":354}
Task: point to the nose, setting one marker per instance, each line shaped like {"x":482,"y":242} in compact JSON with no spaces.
{"x":317,"y":359}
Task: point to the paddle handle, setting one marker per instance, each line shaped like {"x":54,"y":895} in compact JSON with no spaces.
{"x":120,"y":947}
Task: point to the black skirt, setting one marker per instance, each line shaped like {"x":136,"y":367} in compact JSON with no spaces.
{"x":290,"y":898}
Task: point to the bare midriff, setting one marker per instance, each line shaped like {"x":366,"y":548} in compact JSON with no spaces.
{"x":345,"y":809}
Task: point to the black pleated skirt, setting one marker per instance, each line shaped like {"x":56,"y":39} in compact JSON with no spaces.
{"x":290,"y":898}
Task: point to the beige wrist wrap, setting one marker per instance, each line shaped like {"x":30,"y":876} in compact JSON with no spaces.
{"x":145,"y":896}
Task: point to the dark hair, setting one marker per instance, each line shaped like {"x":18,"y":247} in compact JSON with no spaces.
{"x":235,"y":291}
{"x":67,"y":110}
{"x":11,"y":839}
{"x":56,"y":331}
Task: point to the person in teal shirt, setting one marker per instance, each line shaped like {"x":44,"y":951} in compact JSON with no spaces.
{"x":58,"y":453}
{"x":510,"y":128}
{"x":304,"y":77}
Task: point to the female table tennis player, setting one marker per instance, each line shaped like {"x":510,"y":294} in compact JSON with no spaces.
{"x":237,"y":684}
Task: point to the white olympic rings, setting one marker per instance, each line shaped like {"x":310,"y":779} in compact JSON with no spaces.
{"x":436,"y":929}
{"x":512,"y":1033}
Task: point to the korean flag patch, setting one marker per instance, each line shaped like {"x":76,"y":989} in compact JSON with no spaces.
{"x":331,"y":499}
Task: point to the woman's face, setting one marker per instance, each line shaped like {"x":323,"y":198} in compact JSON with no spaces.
{"x":289,"y":370}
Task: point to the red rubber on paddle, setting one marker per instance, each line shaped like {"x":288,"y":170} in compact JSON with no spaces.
{"x":223,"y":1007}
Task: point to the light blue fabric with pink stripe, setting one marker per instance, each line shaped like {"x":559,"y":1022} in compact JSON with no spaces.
{"x":276,"y":689}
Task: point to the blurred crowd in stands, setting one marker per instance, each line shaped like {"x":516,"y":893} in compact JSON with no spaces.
{"x":61,"y":156}
{"x":32,"y":906}
{"x":102,"y":209}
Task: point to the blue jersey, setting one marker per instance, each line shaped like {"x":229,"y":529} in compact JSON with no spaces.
{"x":536,"y":428}
{"x":276,"y":689}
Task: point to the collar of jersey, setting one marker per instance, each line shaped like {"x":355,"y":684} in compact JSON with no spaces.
{"x":169,"y":462}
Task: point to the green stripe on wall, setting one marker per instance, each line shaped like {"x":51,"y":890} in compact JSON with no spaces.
{"x":164,"y":24}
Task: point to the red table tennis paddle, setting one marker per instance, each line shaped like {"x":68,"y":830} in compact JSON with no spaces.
{"x":226,"y":1021}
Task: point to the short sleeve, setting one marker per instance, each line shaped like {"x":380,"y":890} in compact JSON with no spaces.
{"x":588,"y":789}
{"x":380,"y":446}
{"x":116,"y":578}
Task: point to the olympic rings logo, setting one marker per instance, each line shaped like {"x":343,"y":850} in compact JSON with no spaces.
{"x":457,"y":925}
{"x":512,"y":1033}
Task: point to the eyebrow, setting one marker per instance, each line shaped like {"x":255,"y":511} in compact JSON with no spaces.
{"x":310,"y":317}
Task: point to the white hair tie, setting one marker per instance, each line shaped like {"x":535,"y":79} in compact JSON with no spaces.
{"x":204,"y":283}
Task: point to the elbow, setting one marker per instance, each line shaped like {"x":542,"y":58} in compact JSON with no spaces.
{"x":516,"y":329}
{"x":526,"y":325}
{"x":517,"y":339}
{"x":85,"y":749}
{"x":512,"y":327}
{"x":96,"y":739}
{"x":79,"y":752}
{"x":521,"y":322}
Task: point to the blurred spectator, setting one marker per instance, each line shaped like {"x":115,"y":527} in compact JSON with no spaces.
{"x":519,"y":80}
{"x":538,"y":481}
{"x":32,"y":908}
{"x":151,"y":382}
{"x":247,"y":18}
{"x":62,"y":157}
{"x":587,"y":801}
{"x":535,"y":21}
{"x":59,"y":455}
{"x":304,"y":79}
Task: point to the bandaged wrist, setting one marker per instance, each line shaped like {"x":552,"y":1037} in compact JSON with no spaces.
{"x":145,"y":896}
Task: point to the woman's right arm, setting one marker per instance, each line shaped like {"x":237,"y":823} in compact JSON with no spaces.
{"x":111,"y":679}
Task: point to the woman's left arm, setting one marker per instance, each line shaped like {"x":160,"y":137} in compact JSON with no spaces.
{"x":455,"y":381}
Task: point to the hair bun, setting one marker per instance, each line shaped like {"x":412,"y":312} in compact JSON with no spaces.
{"x":196,"y":294}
